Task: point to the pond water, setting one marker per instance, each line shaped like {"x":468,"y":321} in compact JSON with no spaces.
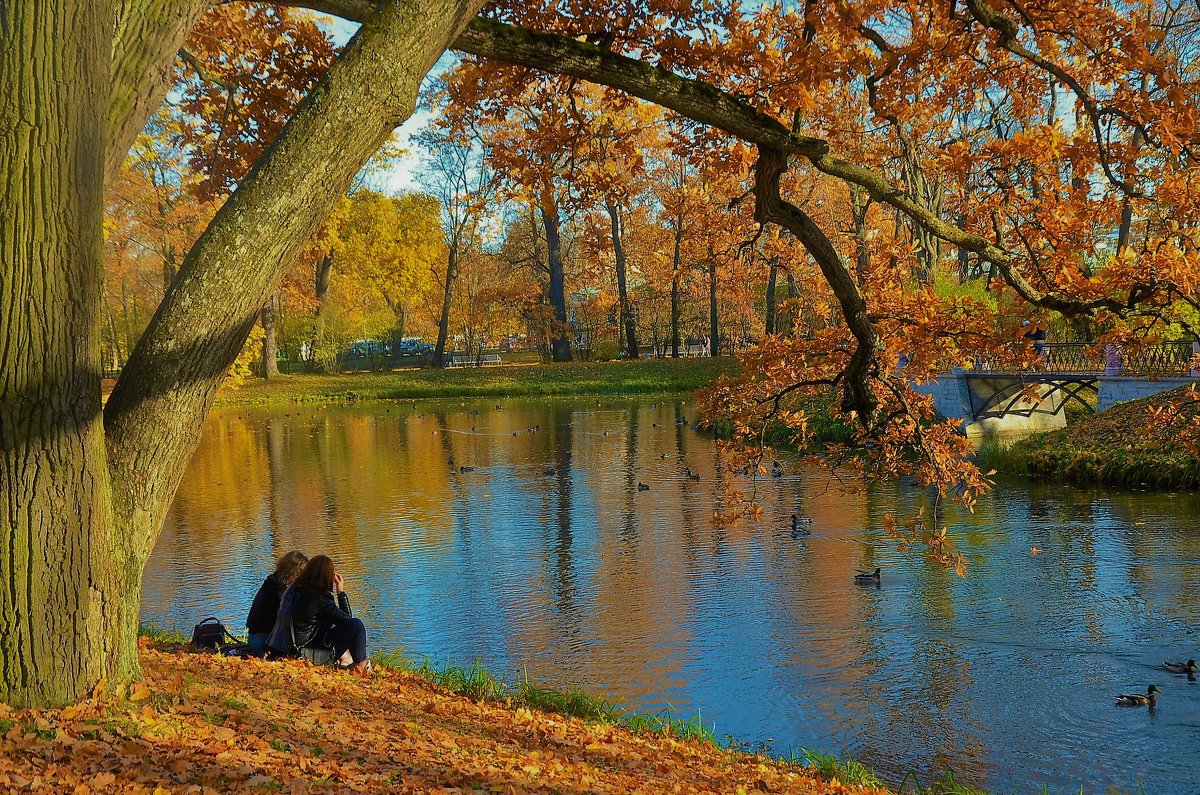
{"x":547,"y":557}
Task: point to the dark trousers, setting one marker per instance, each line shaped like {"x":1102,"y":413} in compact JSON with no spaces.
{"x":349,"y":636}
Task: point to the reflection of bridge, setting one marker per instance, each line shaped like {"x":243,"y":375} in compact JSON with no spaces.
{"x":995,"y":397}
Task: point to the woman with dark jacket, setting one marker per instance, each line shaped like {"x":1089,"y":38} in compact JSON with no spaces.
{"x":265,"y":606}
{"x":309,"y":617}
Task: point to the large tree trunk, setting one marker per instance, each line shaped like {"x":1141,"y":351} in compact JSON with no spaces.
{"x":270,"y":350}
{"x":439,"y":350}
{"x":156,"y":410}
{"x":627,"y":319}
{"x":79,"y":526}
{"x":676,"y":264}
{"x":69,"y":600}
{"x":560,"y":334}
{"x":1125,"y":227}
{"x":860,"y":204}
{"x":398,"y":332}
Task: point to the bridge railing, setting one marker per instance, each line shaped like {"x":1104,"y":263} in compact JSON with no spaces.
{"x":1167,"y":358}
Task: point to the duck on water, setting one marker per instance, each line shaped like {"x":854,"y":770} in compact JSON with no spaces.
{"x":1138,"y":699}
{"x":867,"y":576}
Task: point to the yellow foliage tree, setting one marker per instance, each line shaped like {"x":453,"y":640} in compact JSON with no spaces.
{"x":384,"y":253}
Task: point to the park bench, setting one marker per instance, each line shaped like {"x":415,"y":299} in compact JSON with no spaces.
{"x":473,"y":361}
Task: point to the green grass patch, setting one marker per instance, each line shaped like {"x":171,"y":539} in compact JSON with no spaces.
{"x":946,"y":785}
{"x":162,"y":635}
{"x":667,"y":721}
{"x":835,"y":768}
{"x":993,"y":454}
{"x":654,"y":376}
{"x":476,"y":682}
{"x":574,"y":702}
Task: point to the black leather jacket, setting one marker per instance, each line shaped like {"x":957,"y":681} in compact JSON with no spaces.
{"x":304,"y":615}
{"x":265,"y":607}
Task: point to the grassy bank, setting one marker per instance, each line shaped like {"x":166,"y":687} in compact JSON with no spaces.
{"x":1131,"y":445}
{"x":516,"y":380}
{"x":205,"y":723}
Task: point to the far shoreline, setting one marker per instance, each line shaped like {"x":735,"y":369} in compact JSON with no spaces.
{"x":655,"y":376}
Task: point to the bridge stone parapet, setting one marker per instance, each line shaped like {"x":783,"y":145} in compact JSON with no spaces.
{"x":996,"y":404}
{"x":956,"y":397}
{"x":1118,"y":389}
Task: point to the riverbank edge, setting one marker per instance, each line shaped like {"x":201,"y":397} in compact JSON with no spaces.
{"x":656,"y":376}
{"x":205,"y":722}
{"x":1125,"y":447}
{"x":478,"y":685}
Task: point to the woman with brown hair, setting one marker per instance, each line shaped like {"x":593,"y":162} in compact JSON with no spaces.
{"x":266,"y":602}
{"x":310,"y":618}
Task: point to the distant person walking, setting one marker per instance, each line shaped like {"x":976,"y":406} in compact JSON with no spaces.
{"x":265,"y":606}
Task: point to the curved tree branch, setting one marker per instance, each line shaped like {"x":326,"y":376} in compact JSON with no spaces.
{"x":155,"y":413}
{"x":711,"y":105}
{"x":148,"y":34}
{"x":770,"y":207}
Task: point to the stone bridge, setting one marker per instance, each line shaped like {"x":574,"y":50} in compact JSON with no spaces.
{"x":992,"y":399}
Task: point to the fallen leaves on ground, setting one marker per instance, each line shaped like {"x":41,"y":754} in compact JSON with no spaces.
{"x":204,"y":723}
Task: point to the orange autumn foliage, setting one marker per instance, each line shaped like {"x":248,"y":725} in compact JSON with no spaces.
{"x":205,"y":723}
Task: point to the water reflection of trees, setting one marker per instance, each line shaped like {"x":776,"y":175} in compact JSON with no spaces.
{"x":584,"y":579}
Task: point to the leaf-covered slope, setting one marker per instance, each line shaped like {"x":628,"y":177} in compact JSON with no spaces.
{"x":203,"y":723}
{"x":1153,"y":442}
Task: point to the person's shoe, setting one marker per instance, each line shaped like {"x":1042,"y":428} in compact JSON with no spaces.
{"x":361,"y":668}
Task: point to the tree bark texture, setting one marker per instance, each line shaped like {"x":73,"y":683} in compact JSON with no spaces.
{"x":627,"y":320}
{"x":321,"y":278}
{"x":148,"y":35}
{"x":439,"y":350}
{"x":676,"y":265}
{"x":69,"y":595}
{"x":85,"y":491}
{"x":270,"y":349}
{"x":772,"y":277}
{"x":560,"y":334}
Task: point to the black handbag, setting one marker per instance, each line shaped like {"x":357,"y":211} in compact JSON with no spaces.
{"x":211,"y":634}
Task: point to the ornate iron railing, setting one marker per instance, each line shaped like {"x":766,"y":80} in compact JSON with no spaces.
{"x":1168,"y":358}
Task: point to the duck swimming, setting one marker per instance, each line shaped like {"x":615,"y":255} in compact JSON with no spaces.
{"x":797,"y":529}
{"x":1188,"y":667}
{"x":867,"y":576}
{"x":643,"y":486}
{"x":1139,"y":699}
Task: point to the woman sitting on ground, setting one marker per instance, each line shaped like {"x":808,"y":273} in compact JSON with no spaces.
{"x":309,"y":618}
{"x":265,"y":606}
